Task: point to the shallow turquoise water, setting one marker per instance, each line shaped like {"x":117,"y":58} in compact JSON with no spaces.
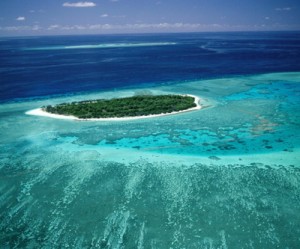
{"x":226,"y":176}
{"x":104,"y":46}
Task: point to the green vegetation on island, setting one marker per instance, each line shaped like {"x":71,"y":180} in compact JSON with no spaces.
{"x":142,"y":105}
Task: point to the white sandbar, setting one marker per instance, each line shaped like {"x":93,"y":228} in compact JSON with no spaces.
{"x":43,"y":113}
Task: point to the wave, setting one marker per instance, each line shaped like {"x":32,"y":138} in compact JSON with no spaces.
{"x":105,"y":45}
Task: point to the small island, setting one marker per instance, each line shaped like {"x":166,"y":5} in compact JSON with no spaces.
{"x":121,"y":108}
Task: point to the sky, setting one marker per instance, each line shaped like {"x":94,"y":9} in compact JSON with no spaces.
{"x":56,"y":17}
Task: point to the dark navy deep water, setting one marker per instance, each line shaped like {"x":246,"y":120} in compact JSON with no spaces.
{"x":28,"y":68}
{"x":226,"y":176}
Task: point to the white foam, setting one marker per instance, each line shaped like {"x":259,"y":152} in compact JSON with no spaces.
{"x":105,"y":45}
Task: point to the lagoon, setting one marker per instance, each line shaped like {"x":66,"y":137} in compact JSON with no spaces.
{"x":226,"y":176}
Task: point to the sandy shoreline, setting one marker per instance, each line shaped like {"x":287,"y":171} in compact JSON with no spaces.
{"x":41,"y":112}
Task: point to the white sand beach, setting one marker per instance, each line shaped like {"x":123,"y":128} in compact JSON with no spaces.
{"x":43,"y":113}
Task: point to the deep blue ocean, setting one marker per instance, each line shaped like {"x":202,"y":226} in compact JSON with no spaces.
{"x":226,"y":176}
{"x":42,"y":66}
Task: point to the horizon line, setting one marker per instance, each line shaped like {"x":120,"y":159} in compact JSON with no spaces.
{"x":151,"y":33}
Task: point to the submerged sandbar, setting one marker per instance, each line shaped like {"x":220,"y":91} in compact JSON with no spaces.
{"x":118,"y":109}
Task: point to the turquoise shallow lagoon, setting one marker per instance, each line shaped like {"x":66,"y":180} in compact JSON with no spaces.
{"x":226,"y":176}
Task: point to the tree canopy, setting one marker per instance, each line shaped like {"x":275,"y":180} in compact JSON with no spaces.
{"x":142,"y":105}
